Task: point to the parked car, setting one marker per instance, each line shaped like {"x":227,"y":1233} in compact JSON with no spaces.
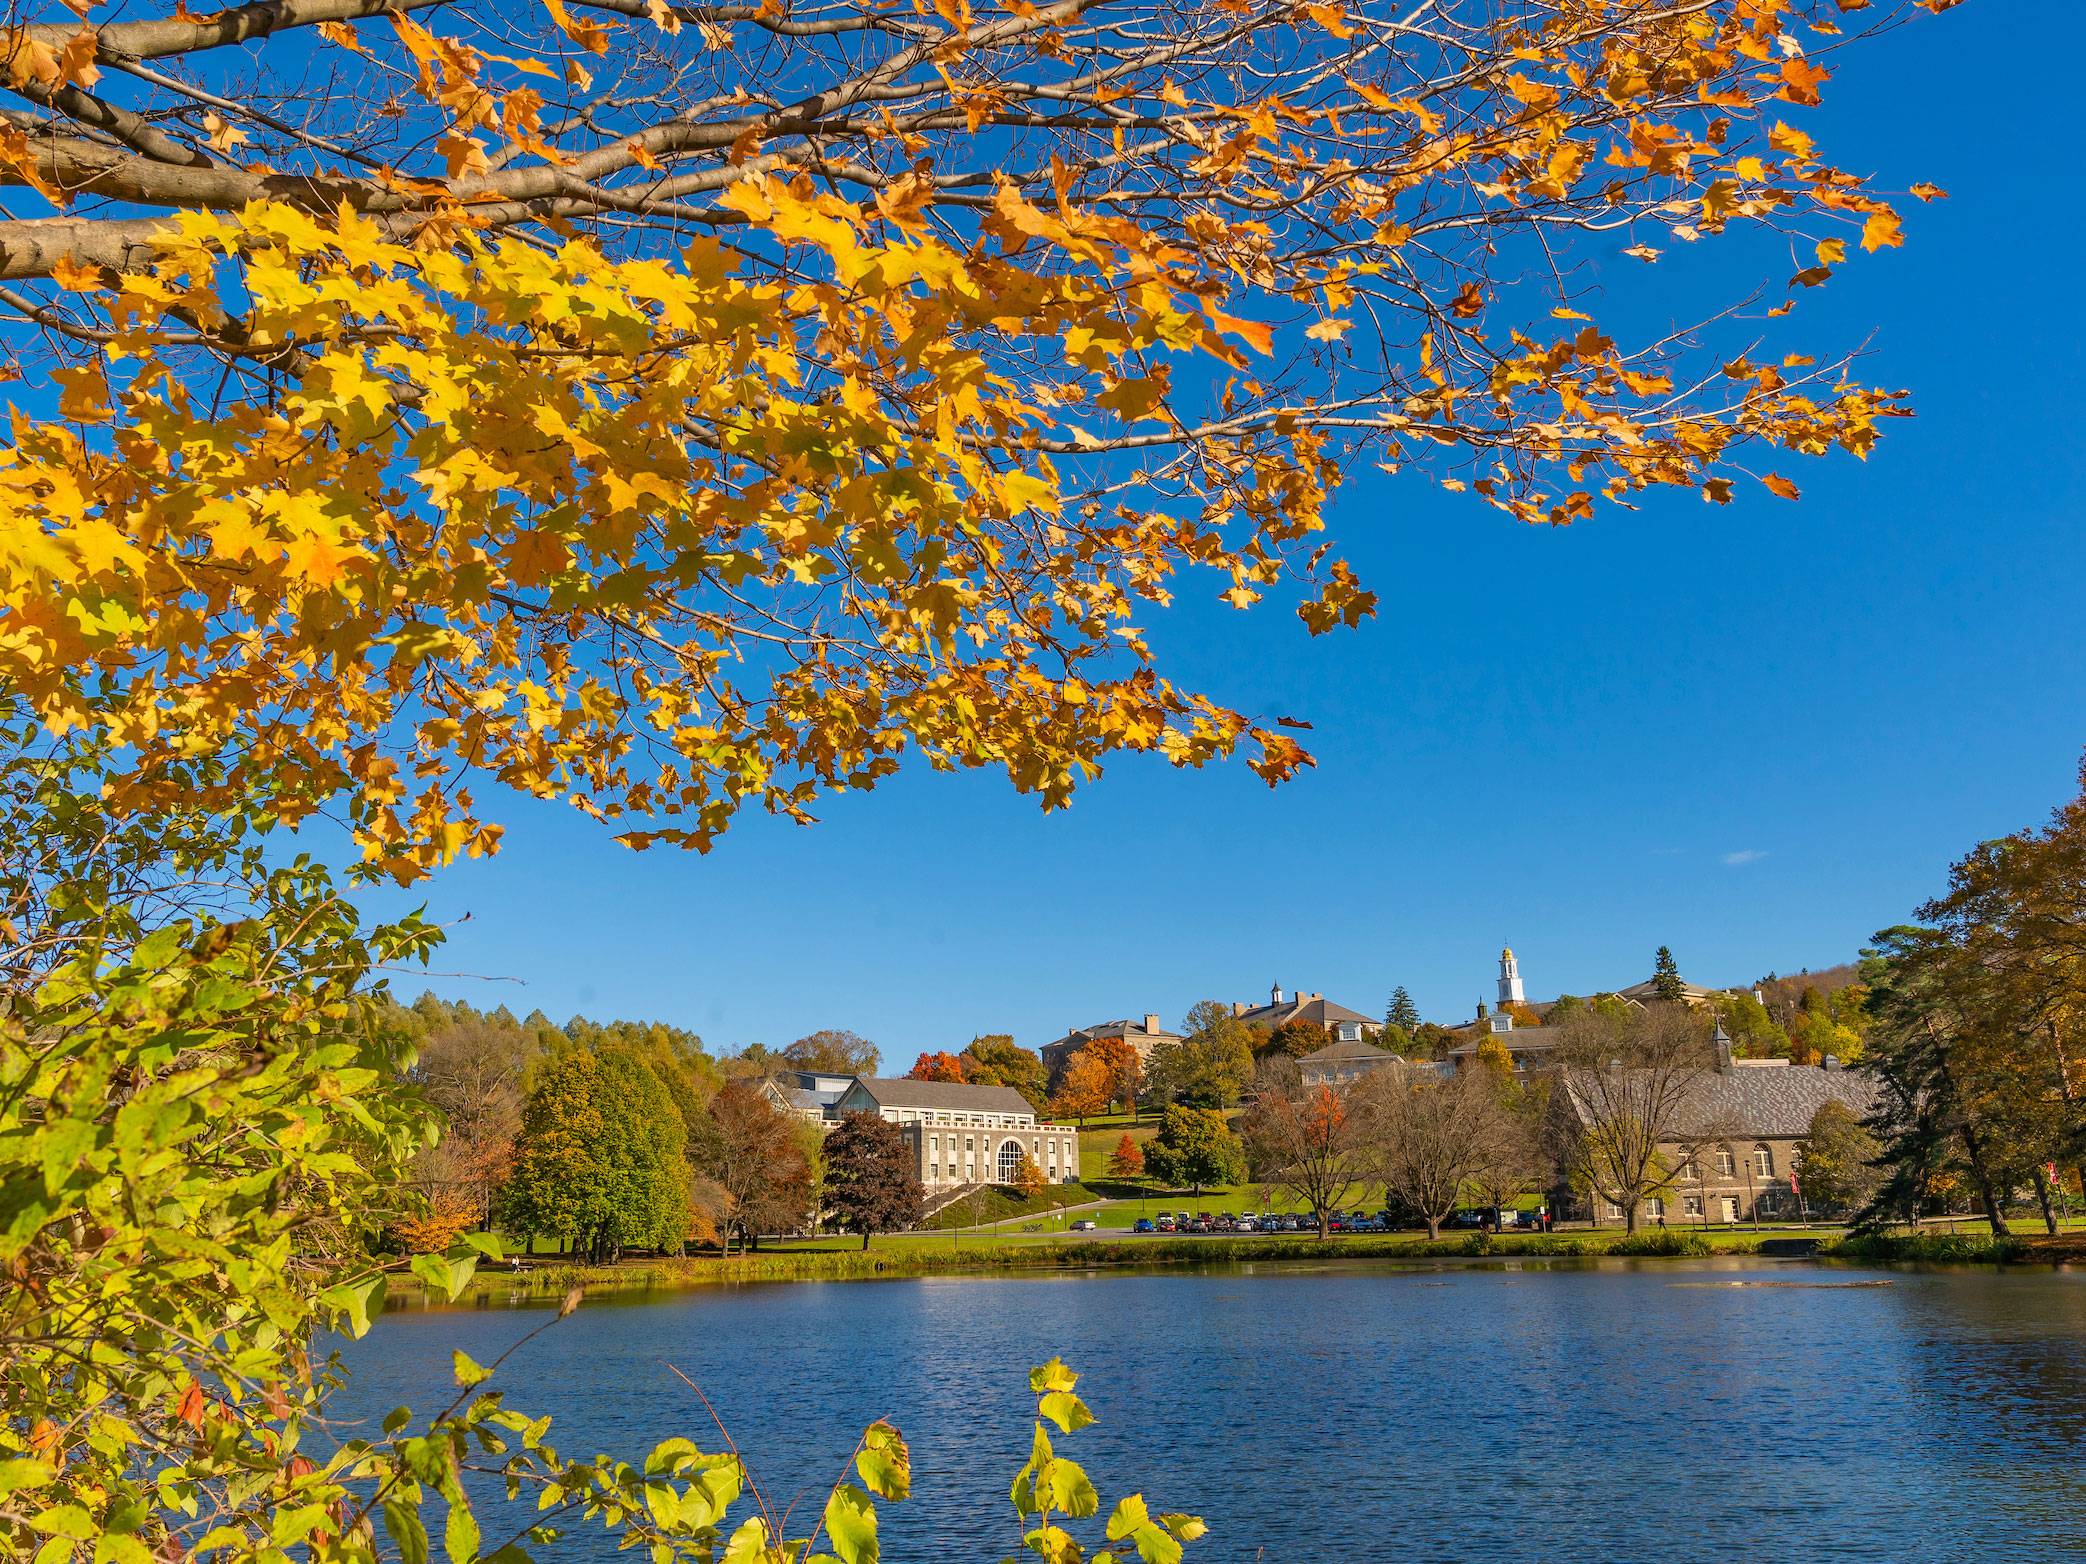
{"x":1248,"y":1225}
{"x":1200,"y":1224}
{"x":1166,"y":1224}
{"x":1086,"y":1225}
{"x":1467,"y":1219}
{"x":1144,"y":1225}
{"x":1338,"y":1223}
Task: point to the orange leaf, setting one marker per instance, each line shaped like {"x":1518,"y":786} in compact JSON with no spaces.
{"x":1777,"y":484}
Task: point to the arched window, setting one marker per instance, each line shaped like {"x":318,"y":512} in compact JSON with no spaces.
{"x":1010,"y":1161}
{"x":1763,"y":1162}
{"x":1725,"y":1166}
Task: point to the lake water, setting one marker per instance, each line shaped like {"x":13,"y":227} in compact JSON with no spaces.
{"x":1742,"y":1410}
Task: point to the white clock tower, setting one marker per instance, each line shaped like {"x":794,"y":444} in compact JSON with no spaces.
{"x":1510,"y":991}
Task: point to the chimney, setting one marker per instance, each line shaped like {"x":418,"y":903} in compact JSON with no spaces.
{"x":1238,"y":1007}
{"x":1720,"y":1040}
{"x":1831,"y":1061}
{"x":1151,"y":1022}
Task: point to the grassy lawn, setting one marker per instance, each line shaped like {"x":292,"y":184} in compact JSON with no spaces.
{"x":996,"y":1203}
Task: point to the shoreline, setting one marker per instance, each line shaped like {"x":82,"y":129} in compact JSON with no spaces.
{"x":547,"y":1283}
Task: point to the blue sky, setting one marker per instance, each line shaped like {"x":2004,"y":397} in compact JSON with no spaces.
{"x":1754,"y":733}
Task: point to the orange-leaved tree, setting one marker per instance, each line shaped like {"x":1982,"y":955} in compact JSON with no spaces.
{"x":936,"y":1067}
{"x":674,"y":407}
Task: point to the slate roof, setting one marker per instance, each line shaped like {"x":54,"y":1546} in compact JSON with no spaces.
{"x":943,"y":1096}
{"x":1320,"y":1011}
{"x":1339,"y":1053}
{"x":1768,"y":1102}
{"x":1522,"y":1039}
{"x":1132,"y":1032}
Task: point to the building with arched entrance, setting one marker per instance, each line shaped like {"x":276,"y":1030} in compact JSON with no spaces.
{"x":966,"y":1134}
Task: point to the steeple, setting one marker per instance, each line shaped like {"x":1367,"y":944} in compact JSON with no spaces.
{"x":1510,"y":991}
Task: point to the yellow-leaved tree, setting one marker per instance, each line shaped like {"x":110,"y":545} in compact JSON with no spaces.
{"x":673,"y":407}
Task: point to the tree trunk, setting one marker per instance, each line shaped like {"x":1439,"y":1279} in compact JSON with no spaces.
{"x":2042,"y":1196}
{"x":1993,"y":1213}
{"x":865,"y":1239}
{"x":1433,"y":1228}
{"x":1325,"y":1224}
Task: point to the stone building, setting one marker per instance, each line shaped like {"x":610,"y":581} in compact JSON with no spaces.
{"x":1343,"y":1063}
{"x":1731,"y":1152}
{"x":1344,"y":1025}
{"x":966,"y":1134}
{"x":1142,"y":1037}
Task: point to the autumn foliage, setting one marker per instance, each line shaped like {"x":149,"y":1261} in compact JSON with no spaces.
{"x":936,"y":1067}
{"x":674,"y":409}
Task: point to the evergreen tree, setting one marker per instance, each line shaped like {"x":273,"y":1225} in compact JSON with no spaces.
{"x":1402,"y":1012}
{"x":1665,"y":977}
{"x":871,"y":1184}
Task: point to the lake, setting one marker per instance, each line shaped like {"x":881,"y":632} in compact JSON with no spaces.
{"x":1607,"y":1410}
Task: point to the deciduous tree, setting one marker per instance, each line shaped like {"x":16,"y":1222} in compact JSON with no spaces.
{"x":872,"y":1182}
{"x":1428,"y":1131}
{"x":1621,"y":1086}
{"x":1312,"y":1141}
{"x":942,"y":1066}
{"x":672,"y":411}
{"x":1086,"y":1087}
{"x":752,"y":1154}
{"x":1837,"y":1165}
{"x":1028,"y":1178}
{"x":834,"y":1052}
{"x":1125,"y":1068}
{"x":1127,"y":1159}
{"x":1194,"y":1147}
{"x":602,"y":1158}
{"x":996,"y":1060}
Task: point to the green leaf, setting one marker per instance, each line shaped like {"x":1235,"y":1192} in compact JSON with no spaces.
{"x":360,"y":1301}
{"x":747,"y":1542}
{"x":851,"y":1523}
{"x":65,"y":1520}
{"x":408,"y":1531}
{"x":25,"y":1472}
{"x":469,"y":1371}
{"x":1185,"y":1527}
{"x":1052,"y":1376}
{"x":118,"y":1547}
{"x":460,"y":1533}
{"x":1130,"y":1513}
{"x":1066,"y":1410}
{"x":884,"y":1463}
{"x":1068,"y":1488}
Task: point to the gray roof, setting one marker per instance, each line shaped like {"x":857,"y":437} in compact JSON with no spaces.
{"x":1335,"y":1053}
{"x":943,"y":1096}
{"x":1318,"y":1009}
{"x":1522,"y":1039}
{"x":1769,"y":1101}
{"x":1132,"y":1032}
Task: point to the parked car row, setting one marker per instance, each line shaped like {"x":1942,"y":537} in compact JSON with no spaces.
{"x":1341,"y":1222}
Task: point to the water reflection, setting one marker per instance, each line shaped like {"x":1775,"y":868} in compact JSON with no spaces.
{"x":1516,"y":1410}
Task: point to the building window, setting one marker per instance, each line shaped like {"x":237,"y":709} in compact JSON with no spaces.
{"x":1010,"y":1161}
{"x":1687,"y":1169}
{"x":933,"y":1173}
{"x":1725,"y":1165}
{"x":1691,"y":1205}
{"x":1655,"y":1208}
{"x":1614,"y":1212}
{"x":1763,"y":1162}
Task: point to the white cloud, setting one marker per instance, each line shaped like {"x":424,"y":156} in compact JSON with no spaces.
{"x":1743,"y":856}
